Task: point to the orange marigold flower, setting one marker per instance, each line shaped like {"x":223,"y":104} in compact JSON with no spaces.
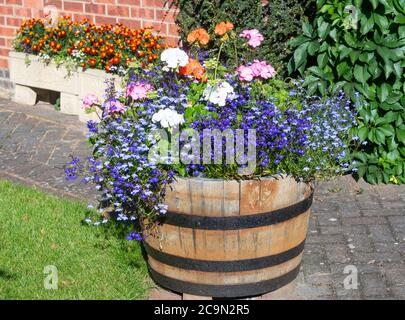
{"x":195,"y":69}
{"x":223,"y":27}
{"x":200,"y":35}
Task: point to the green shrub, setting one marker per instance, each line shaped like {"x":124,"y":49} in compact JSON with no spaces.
{"x":359,"y":46}
{"x":278,"y":21}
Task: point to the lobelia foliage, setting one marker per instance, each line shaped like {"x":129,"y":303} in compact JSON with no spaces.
{"x":278,"y":21}
{"x":359,"y":46}
{"x":297,"y":134}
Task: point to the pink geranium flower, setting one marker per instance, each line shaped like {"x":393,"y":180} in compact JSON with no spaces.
{"x":254,"y":37}
{"x":245,"y":73}
{"x":89,"y":101}
{"x":258,"y":69}
{"x":138,"y":91}
{"x":114,"y":106}
{"x":262,"y":69}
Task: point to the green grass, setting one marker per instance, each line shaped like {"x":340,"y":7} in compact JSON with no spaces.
{"x":37,"y":230}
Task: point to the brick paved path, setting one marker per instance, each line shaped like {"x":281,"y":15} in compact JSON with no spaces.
{"x":352,"y":223}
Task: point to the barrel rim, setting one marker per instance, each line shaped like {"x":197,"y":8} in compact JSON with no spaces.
{"x":274,"y":177}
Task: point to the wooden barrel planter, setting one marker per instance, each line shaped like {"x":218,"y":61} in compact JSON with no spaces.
{"x":230,"y":238}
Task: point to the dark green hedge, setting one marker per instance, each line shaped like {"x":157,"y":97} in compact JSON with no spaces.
{"x":278,"y":21}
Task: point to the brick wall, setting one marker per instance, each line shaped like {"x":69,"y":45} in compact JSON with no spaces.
{"x":160,"y":14}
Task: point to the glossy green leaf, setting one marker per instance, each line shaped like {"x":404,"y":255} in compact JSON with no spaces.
{"x":342,"y":68}
{"x":363,"y":133}
{"x":323,"y":30}
{"x":383,"y":91}
{"x":313,"y":47}
{"x":374,"y":3}
{"x":300,"y":55}
{"x":361,"y":74}
{"x":366,"y":25}
{"x":350,"y":40}
{"x":381,"y":21}
{"x":322,"y":60}
{"x":296,"y":42}
{"x":400,"y":133}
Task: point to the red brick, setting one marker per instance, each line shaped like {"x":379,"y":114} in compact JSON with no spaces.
{"x":4,"y":52}
{"x":166,"y":15}
{"x":172,"y":41}
{"x":131,"y":2}
{"x":105,"y":20}
{"x":6,"y":10}
{"x":15,"y":22}
{"x":157,"y":27}
{"x":56,"y":3}
{"x":95,"y":8}
{"x":173,"y":29}
{"x":131,"y":23}
{"x":143,"y":13}
{"x":8,"y":32}
{"x":154,"y":3}
{"x":105,"y":1}
{"x":33,"y":4}
{"x":2,"y":20}
{"x":81,"y":17}
{"x":173,"y":4}
{"x":15,"y":2}
{"x":73,"y":6}
{"x":9,"y":42}
{"x":120,"y":11}
{"x":22,"y":12}
{"x":3,"y":62}
{"x":2,"y":42}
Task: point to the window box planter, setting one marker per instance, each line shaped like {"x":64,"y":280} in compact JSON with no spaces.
{"x":73,"y":87}
{"x":230,"y":238}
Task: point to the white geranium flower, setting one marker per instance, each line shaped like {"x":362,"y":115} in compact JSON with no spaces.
{"x":219,"y":93}
{"x":168,"y":118}
{"x":174,"y":57}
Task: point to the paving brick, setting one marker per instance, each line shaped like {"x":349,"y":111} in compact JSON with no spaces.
{"x":368,"y":257}
{"x":372,"y":285}
{"x":398,"y":292}
{"x":363,"y":220}
{"x":360,"y":242}
{"x":346,"y":230}
{"x":383,"y":212}
{"x":395,"y":274}
{"x":381,"y":233}
{"x":310,"y":292}
{"x":337,"y":253}
{"x":318,"y":238}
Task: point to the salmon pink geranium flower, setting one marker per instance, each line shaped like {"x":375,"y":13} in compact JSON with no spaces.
{"x":223,"y":27}
{"x":194,"y":69}
{"x":199,"y":35}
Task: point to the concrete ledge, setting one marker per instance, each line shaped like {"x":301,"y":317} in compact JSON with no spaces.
{"x":24,"y":95}
{"x":73,"y":87}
